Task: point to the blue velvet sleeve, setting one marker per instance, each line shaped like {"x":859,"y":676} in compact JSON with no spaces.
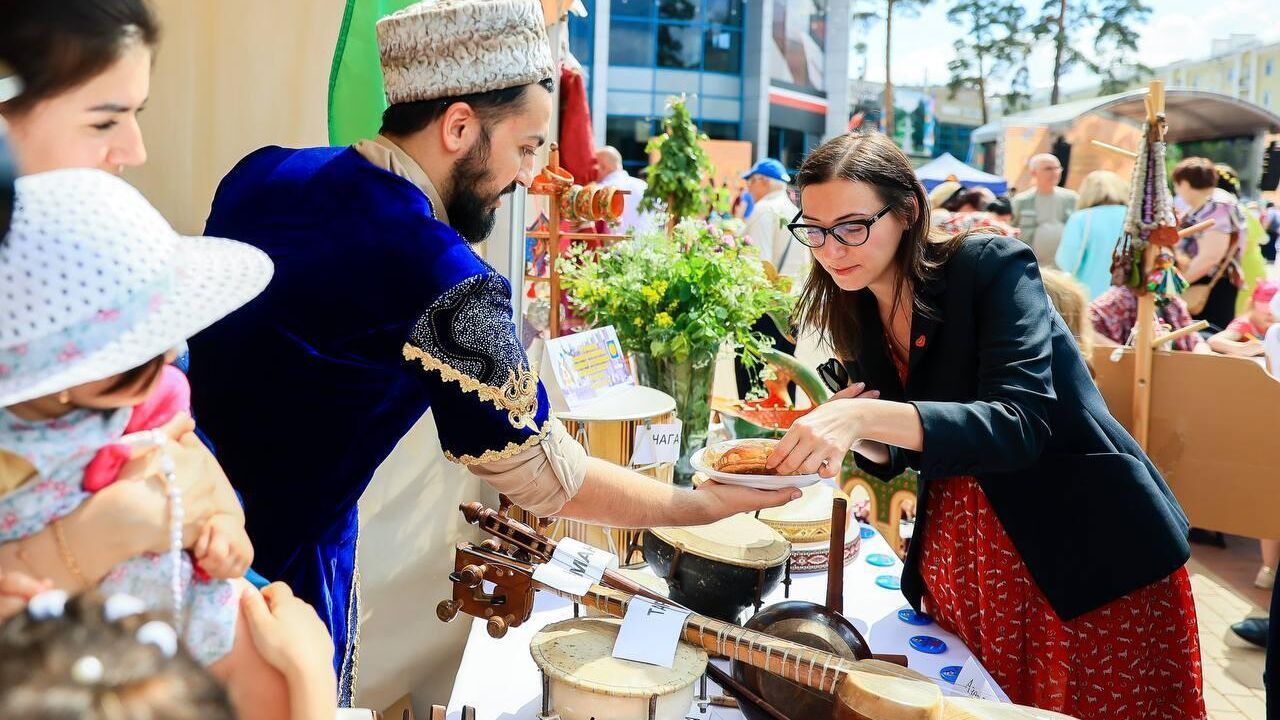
{"x":488,"y":402}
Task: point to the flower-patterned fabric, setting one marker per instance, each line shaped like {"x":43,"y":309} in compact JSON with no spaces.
{"x":60,"y":450}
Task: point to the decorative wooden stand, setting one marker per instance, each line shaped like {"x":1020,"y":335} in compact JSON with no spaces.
{"x":553,"y":235}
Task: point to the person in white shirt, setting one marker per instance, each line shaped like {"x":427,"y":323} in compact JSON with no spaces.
{"x":612,"y":174}
{"x":767,"y":225}
{"x":766,"y":228}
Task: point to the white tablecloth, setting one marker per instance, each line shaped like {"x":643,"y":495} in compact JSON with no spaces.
{"x":499,"y":679}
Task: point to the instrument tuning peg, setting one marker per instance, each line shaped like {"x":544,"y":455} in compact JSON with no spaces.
{"x":472,"y":575}
{"x":447,"y":610}
{"x":497,"y":627}
{"x":491,"y":545}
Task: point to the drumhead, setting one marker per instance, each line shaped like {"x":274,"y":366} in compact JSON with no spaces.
{"x":737,"y":540}
{"x":814,"y":506}
{"x":580,"y":652}
{"x":634,"y":402}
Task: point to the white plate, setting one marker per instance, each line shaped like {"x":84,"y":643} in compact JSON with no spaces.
{"x":760,"y":482}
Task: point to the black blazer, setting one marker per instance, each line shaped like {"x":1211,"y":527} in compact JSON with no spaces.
{"x":1004,"y":396}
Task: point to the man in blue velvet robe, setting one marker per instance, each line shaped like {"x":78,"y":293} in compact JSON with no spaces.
{"x":380,"y":309}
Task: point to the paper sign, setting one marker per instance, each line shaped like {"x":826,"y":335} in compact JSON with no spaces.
{"x":574,"y":567}
{"x":577,"y":369}
{"x":973,"y":681}
{"x":650,"y":632}
{"x":656,"y":444}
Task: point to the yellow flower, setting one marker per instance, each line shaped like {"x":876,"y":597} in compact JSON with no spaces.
{"x":650,"y":295}
{"x":638,"y":322}
{"x":663,"y":320}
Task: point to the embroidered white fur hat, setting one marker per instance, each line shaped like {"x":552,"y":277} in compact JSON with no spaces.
{"x":446,"y":48}
{"x":94,"y":282}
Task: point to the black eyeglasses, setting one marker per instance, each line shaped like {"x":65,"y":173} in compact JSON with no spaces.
{"x":851,"y":232}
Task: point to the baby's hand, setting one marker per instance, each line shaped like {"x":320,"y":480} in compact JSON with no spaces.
{"x":223,"y":549}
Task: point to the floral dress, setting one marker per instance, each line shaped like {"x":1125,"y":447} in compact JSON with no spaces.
{"x":1136,"y":657}
{"x":60,"y":450}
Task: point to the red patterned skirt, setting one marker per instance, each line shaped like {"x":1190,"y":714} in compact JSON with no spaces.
{"x":1136,"y":657}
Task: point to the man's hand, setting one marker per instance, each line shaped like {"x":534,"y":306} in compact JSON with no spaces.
{"x":720,"y":500}
{"x":223,"y":549}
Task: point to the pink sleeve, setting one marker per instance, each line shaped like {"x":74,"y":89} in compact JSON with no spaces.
{"x":171,"y":396}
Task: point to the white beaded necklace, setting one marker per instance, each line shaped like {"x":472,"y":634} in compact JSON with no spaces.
{"x":174,"y":494}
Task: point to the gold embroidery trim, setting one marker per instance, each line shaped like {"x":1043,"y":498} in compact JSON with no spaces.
{"x":512,"y":449}
{"x":518,"y":395}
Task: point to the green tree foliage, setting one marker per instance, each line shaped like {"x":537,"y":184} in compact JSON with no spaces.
{"x":868,"y":11}
{"x":676,"y":180}
{"x":993,"y":50}
{"x":1113,"y":25}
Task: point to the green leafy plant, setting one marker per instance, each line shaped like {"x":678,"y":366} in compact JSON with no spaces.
{"x":676,"y":180}
{"x":678,"y":295}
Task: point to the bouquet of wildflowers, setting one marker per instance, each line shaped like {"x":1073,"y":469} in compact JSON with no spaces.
{"x":679,"y":295}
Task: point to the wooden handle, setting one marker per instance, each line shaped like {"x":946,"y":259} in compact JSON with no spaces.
{"x":835,"y":555}
{"x":1115,"y":149}
{"x":1194,"y":327}
{"x":1198,"y":227}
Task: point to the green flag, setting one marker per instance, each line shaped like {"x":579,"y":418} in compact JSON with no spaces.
{"x":356,"y":97}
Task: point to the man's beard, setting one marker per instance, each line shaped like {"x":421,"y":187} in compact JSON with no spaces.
{"x":470,"y":213}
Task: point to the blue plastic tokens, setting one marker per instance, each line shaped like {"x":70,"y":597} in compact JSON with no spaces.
{"x":881,"y":560}
{"x":928,"y":644}
{"x":911,"y":617}
{"x":867,"y":533}
{"x":889,"y":582}
{"x":949,"y":673}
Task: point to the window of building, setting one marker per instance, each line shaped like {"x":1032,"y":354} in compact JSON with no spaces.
{"x":642,"y":8}
{"x":631,"y":43}
{"x":725,"y":12}
{"x":582,"y":31}
{"x":679,"y":46}
{"x":1268,"y":66}
{"x":720,"y":130}
{"x":629,"y":135}
{"x":1231,"y":75}
{"x":722,"y":51}
{"x":1266,"y":98}
{"x":679,"y":9}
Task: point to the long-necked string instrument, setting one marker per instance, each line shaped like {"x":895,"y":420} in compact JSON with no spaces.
{"x":864,"y":689}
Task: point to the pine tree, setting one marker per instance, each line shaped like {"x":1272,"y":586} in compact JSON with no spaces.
{"x":1113,"y":26}
{"x":676,"y":180}
{"x":994,"y":47}
{"x":909,"y":8}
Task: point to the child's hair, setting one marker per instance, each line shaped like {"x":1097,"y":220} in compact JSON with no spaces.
{"x":1072,"y":302}
{"x":82,"y":666}
{"x":141,"y":376}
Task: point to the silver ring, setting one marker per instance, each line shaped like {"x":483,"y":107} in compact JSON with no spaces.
{"x":826,"y":462}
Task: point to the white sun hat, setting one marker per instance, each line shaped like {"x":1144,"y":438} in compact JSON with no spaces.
{"x":94,"y":282}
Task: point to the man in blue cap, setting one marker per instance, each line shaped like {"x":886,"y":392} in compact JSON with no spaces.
{"x":767,"y":228}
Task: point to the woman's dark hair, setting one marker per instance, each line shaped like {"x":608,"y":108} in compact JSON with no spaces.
{"x":138,"y":681}
{"x":141,"y":376}
{"x":973,"y":197}
{"x":873,"y":159}
{"x":1228,"y":179}
{"x":1000,"y":206}
{"x":1197,"y":172}
{"x":495,"y":105}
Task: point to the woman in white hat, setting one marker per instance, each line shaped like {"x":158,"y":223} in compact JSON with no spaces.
{"x":95,"y":291}
{"x":84,"y":71}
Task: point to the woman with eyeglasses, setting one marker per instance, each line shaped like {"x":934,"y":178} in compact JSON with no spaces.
{"x":1044,"y":537}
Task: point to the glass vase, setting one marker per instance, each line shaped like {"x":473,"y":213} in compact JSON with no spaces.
{"x":689,"y":382}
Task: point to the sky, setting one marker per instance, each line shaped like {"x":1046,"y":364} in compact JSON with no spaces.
{"x":1176,"y":30}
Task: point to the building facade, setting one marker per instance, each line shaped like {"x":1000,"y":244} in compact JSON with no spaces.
{"x":755,"y":70}
{"x":1239,"y":66}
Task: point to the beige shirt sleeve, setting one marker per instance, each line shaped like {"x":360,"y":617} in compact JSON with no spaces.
{"x":544,"y":477}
